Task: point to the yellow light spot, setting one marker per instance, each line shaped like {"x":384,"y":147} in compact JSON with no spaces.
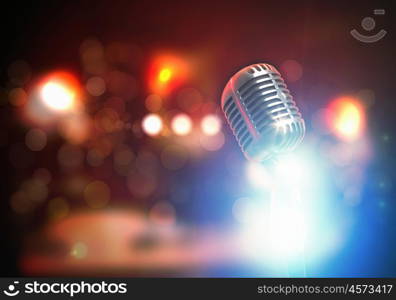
{"x":165,"y":75}
{"x":348,"y":120}
{"x":57,"y":96}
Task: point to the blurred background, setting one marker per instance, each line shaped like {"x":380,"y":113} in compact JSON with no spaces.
{"x":117,"y":159}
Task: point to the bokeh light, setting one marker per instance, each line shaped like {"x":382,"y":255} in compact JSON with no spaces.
{"x":36,"y":139}
{"x":123,"y":156}
{"x":97,"y":194}
{"x":107,"y":120}
{"x":17,"y":97}
{"x":75,"y":128}
{"x":211,"y":124}
{"x":30,"y":194}
{"x":346,"y":118}
{"x":52,"y":98}
{"x":57,"y":96}
{"x":95,"y":157}
{"x":166,"y":73}
{"x":181,"y":124}
{"x":96,"y":86}
{"x":292,"y":70}
{"x":92,"y":56}
{"x":152,"y":124}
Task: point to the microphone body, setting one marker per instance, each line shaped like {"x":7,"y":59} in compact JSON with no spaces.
{"x":261,"y":113}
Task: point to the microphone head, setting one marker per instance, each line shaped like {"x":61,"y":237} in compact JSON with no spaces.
{"x":261,"y":112}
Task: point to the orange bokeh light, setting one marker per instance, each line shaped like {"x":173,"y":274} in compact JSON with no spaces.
{"x":346,"y":118}
{"x":166,"y":73}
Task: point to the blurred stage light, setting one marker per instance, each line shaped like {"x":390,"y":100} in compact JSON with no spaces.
{"x":54,"y":97}
{"x":166,"y":73}
{"x":181,"y":124}
{"x":96,"y":86}
{"x":346,"y":118}
{"x":57,"y":96}
{"x":211,"y":125}
{"x":152,"y":124}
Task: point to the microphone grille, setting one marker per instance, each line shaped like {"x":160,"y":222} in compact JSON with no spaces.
{"x":262,"y":113}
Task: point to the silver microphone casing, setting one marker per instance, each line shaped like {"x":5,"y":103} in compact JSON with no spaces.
{"x":261,"y":113}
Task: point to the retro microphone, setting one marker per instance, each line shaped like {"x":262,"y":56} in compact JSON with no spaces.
{"x":261,"y":112}
{"x":266,"y":123}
